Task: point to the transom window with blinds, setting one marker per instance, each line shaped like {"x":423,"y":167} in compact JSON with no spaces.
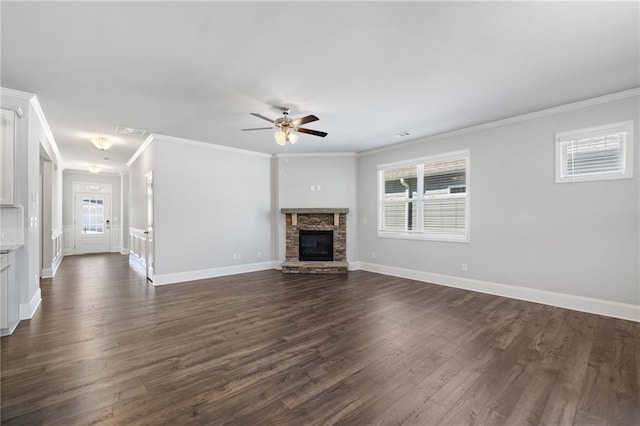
{"x":596,"y":153}
{"x":427,"y":198}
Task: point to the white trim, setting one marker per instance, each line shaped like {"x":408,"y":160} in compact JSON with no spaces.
{"x":86,"y":172}
{"x":35,"y":103}
{"x":421,"y":199}
{"x":174,"y":139}
{"x":137,"y":264}
{"x":140,"y":150}
{"x":277,"y":265}
{"x":510,"y":120}
{"x":180,"y":277}
{"x":316,"y":154}
{"x":608,"y":308}
{"x":28,"y":310}
{"x":354,"y":266}
{"x":9,"y":330}
{"x":56,"y":264}
{"x":596,"y":131}
{"x":16,"y":93}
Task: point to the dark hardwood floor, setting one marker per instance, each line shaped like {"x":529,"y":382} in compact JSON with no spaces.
{"x":268,"y":348}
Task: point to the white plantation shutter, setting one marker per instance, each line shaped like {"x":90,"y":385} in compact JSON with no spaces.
{"x":594,"y":154}
{"x":425,"y":199}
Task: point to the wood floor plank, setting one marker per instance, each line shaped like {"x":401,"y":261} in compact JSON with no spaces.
{"x":106,"y":347}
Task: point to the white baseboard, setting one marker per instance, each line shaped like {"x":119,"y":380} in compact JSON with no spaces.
{"x":68,"y":252}
{"x":277,"y":264}
{"x":9,"y":330}
{"x":137,"y":264}
{"x":46,"y":273}
{"x":354,"y":266}
{"x":125,"y":252}
{"x":28,"y":310}
{"x":179,"y":277}
{"x":608,"y":308}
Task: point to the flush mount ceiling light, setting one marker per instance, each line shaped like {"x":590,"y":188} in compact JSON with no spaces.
{"x":285,"y":127}
{"x":102,"y":143}
{"x":94,"y":169}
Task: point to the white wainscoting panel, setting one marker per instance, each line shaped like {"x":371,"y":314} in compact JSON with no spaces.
{"x":56,"y":244}
{"x":116,"y":242}
{"x":137,"y":247}
{"x":68,"y":242}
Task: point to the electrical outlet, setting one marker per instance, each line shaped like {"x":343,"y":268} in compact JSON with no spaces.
{"x":463,"y":267}
{"x":239,"y":256}
{"x":365,"y":220}
{"x":319,"y":187}
{"x":1,"y":236}
{"x":259,"y":255}
{"x":373,"y":254}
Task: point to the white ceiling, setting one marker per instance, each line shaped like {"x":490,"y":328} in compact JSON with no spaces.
{"x":369,"y":70}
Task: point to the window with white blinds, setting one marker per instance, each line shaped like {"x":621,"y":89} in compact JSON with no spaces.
{"x":596,"y":153}
{"x":426,"y":198}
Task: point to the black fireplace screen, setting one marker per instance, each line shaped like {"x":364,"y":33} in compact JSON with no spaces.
{"x":315,"y":245}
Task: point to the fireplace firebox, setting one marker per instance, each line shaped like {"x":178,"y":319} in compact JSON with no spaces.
{"x":315,"y":245}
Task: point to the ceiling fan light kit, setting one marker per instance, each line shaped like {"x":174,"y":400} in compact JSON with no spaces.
{"x":285,"y":126}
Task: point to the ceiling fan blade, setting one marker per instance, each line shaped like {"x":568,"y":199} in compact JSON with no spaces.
{"x":262,"y":116}
{"x":304,"y":120}
{"x":258,"y":128}
{"x":312,"y":132}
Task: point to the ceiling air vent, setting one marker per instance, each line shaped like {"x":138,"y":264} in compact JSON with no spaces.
{"x":130,"y":131}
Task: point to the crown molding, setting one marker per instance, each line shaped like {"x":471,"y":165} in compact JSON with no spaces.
{"x":86,"y":172}
{"x":159,"y":137}
{"x":209,"y":145}
{"x":316,"y":155}
{"x":16,"y":94}
{"x":37,"y":108}
{"x":35,"y":103}
{"x":511,"y":120}
{"x":140,"y":150}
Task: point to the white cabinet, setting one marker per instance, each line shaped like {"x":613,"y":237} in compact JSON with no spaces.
{"x":7,"y":148}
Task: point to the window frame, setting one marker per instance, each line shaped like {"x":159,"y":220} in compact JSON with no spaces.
{"x":593,"y":132}
{"x":419,"y":164}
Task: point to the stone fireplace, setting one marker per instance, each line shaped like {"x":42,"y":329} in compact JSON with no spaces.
{"x":309,"y":231}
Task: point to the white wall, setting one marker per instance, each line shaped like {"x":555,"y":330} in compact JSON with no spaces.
{"x":210,"y":203}
{"x":72,"y":176}
{"x":334,"y":181}
{"x":32,"y":135}
{"x":526,"y":231}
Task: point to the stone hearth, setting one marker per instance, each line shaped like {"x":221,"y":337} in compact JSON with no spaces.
{"x":314,"y":219}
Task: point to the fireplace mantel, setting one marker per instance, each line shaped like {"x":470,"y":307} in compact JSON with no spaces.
{"x":315,"y":219}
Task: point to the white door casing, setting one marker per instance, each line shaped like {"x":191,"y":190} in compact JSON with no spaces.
{"x":149,"y":252}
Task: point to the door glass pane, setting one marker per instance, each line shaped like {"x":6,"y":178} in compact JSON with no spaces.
{"x":92,"y":215}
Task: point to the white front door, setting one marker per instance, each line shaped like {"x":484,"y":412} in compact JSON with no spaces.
{"x":93,"y":222}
